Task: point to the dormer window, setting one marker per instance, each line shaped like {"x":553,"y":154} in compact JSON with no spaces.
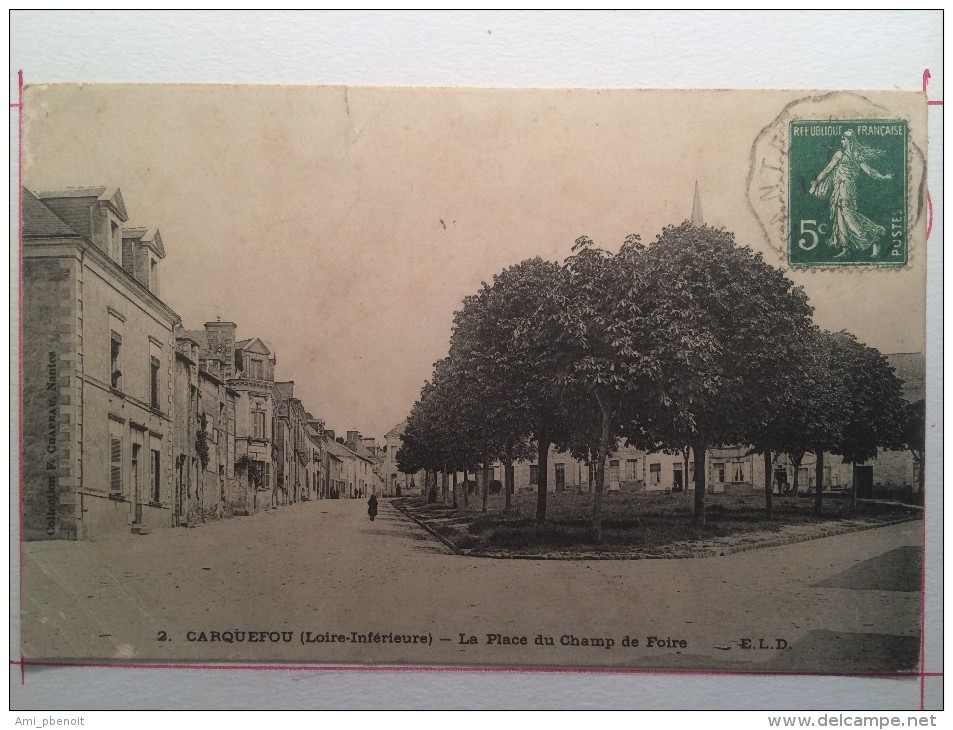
{"x":256,"y":369}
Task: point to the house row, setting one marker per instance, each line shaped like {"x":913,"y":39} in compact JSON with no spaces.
{"x":130,"y":422}
{"x":733,"y":469}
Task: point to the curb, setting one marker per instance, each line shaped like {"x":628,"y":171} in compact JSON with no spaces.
{"x":428,"y":528}
{"x":689,"y":555}
{"x":686,"y":555}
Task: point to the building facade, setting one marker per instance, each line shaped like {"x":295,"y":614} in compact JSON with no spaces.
{"x":98,"y":360}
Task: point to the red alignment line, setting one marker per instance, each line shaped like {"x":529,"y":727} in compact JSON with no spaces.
{"x":923,"y":594}
{"x":926,"y":79}
{"x":20,"y":340}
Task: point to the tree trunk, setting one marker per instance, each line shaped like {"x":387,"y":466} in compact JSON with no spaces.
{"x":444,"y":484}
{"x":685,"y":473}
{"x":486,"y":482}
{"x":508,"y":477}
{"x":768,"y":487}
{"x":698,"y":448}
{"x":818,"y":481}
{"x":797,"y":459}
{"x":853,"y":483}
{"x":542,"y":475}
{"x":600,"y":473}
{"x":466,"y":490}
{"x":919,"y":461}
{"x":454,"y":487}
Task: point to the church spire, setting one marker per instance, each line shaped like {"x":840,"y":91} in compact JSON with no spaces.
{"x":697,"y":218}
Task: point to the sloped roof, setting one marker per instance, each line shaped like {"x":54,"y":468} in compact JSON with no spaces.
{"x":251,"y":344}
{"x":343,"y":451}
{"x":38,"y":220}
{"x":360,"y":449}
{"x":397,"y":430}
{"x":199,"y":337}
{"x":147,"y":236}
{"x":285,"y":390}
{"x":112,"y":196}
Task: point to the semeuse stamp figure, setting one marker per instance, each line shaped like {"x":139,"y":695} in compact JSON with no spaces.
{"x":864,"y":221}
{"x":838,"y":183}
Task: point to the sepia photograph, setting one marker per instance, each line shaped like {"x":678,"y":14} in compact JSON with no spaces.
{"x":475,"y":359}
{"x":583,"y":378}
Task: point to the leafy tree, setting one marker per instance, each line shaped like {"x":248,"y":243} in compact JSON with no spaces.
{"x":720,"y":324}
{"x":806,"y":403}
{"x":597,"y":323}
{"x":914,"y":437}
{"x":875,"y":410}
{"x":497,"y":344}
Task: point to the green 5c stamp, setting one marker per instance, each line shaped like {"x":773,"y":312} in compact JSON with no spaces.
{"x":847,"y":193}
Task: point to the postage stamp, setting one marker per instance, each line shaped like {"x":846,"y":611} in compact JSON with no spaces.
{"x":848,"y":192}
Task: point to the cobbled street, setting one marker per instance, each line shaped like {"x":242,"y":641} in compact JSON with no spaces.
{"x":845,"y":603}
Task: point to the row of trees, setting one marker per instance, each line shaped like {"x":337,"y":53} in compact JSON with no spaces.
{"x":690,"y":343}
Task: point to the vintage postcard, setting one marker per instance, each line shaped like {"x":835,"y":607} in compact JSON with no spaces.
{"x":499,"y":378}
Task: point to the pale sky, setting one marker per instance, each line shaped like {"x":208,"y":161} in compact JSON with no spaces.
{"x":344,"y":228}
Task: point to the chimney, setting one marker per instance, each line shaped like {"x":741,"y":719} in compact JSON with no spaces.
{"x":370,"y":444}
{"x":221,"y":345}
{"x":353,"y":437}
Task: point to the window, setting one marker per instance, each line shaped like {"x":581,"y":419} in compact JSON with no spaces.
{"x":266,"y":474}
{"x":655,"y":473}
{"x":719,"y":470}
{"x":115,"y":460}
{"x":136,"y":448}
{"x":560,"y":476}
{"x":630,"y":469}
{"x":154,"y":382}
{"x":738,"y":473}
{"x":115,"y":360}
{"x":256,"y":371}
{"x":156,"y":473}
{"x":258,"y":424}
{"x":614,"y":470}
{"x":677,"y":475}
{"x":534,"y":474}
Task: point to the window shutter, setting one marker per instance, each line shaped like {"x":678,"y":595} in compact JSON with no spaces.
{"x":115,"y":483}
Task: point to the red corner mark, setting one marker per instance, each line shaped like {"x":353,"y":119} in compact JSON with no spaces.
{"x":926,"y":80}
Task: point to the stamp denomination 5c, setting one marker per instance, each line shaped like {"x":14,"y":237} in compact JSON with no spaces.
{"x":847,"y":193}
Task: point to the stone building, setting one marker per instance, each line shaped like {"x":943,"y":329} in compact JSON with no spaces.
{"x":314,"y":473}
{"x":253,"y":383}
{"x":368,"y":471}
{"x":395,"y":481}
{"x":185,"y":430}
{"x":98,"y":357}
{"x":291,"y":444}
